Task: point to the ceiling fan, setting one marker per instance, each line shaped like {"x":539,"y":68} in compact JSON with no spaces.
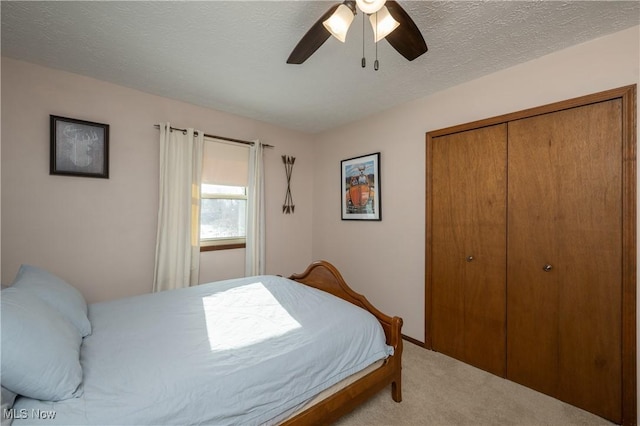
{"x":387,"y":18}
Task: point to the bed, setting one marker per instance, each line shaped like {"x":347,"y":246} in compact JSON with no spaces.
{"x":256,"y":350}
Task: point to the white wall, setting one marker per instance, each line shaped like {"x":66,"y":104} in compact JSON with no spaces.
{"x":99,"y":234}
{"x":385,"y":260}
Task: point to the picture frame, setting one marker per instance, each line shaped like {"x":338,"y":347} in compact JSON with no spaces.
{"x":360,"y":188}
{"x":79,"y":148}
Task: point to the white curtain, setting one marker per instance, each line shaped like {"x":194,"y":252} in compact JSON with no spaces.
{"x":255,"y":244}
{"x":178,"y":237}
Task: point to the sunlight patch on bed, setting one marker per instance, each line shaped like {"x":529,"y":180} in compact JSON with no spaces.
{"x":244,"y":316}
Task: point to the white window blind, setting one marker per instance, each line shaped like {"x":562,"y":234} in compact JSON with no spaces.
{"x":225,"y":163}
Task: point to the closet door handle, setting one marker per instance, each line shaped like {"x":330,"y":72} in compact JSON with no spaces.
{"x":469,"y":258}
{"x":547,"y":267}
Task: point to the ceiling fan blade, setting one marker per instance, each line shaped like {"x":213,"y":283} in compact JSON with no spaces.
{"x":406,"y":39}
{"x":312,"y":40}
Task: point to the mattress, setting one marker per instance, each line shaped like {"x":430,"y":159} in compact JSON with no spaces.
{"x":248,"y":351}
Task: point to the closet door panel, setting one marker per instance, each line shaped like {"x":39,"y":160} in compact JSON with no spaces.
{"x":570,"y":219}
{"x":468,"y":246}
{"x":532,"y":315}
{"x":590,"y":219}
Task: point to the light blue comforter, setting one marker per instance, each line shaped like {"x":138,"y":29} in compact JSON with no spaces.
{"x":246,"y":352}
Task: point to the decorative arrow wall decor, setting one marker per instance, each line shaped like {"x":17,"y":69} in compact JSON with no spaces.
{"x":288,"y":206}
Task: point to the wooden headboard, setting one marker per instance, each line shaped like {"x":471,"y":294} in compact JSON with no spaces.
{"x":324,"y":276}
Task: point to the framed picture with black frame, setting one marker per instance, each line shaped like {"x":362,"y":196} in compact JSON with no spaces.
{"x":360,"y":188}
{"x":79,"y":148}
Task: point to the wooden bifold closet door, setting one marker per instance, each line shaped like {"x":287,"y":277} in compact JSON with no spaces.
{"x":530,"y":249}
{"x":564,"y":249}
{"x":469,"y":254}
{"x":564,"y":280}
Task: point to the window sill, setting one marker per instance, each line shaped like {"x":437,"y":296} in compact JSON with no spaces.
{"x":222,"y":247}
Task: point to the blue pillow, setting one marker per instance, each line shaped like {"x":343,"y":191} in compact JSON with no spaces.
{"x":40,"y":348}
{"x":56,"y":292}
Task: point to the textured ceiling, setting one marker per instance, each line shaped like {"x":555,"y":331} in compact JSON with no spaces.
{"x":231,"y":55}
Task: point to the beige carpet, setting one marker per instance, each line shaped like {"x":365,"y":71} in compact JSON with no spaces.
{"x":438,"y":390}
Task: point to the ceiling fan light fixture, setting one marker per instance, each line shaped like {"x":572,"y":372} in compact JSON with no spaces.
{"x":338,"y":24}
{"x":370,"y":6}
{"x":407,"y":40}
{"x":382,"y":23}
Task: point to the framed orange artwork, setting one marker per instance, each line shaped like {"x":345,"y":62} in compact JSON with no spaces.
{"x":360,"y":185}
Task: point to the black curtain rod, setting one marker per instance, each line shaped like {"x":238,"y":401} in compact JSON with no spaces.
{"x":157,"y":126}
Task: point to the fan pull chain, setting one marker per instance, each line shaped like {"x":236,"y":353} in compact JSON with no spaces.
{"x":364,"y":61}
{"x":376,"y":64}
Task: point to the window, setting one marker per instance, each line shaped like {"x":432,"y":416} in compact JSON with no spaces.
{"x":223,"y":193}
